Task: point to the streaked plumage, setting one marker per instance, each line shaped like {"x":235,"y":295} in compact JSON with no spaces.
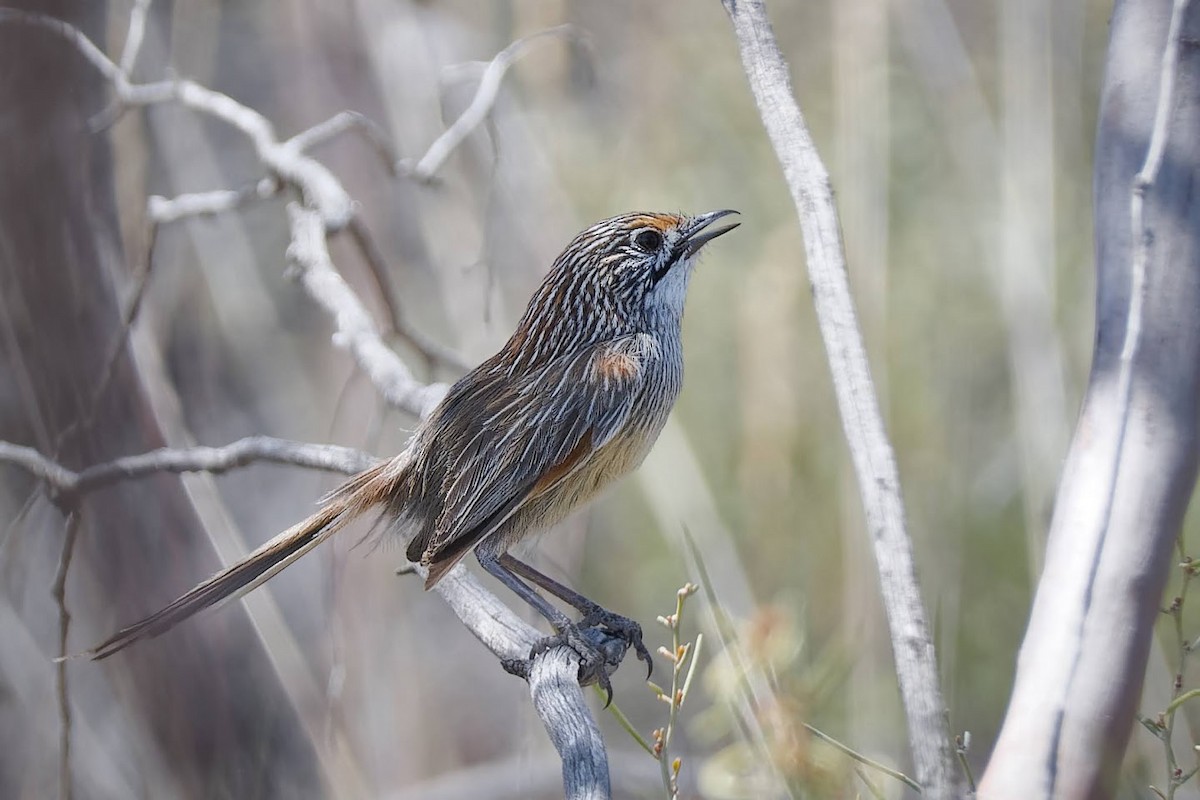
{"x":573,"y":400}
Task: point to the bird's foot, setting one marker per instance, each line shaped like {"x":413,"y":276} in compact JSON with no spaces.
{"x":621,"y":627}
{"x":600,"y":653}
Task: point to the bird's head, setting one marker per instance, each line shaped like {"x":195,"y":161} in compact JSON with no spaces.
{"x":622,"y":274}
{"x":641,"y":261}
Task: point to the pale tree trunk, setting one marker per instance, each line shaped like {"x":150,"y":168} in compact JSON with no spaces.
{"x":1132,"y":464}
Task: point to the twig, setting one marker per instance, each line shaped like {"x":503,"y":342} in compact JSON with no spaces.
{"x":316,"y":184}
{"x":59,"y":591}
{"x":426,"y":168}
{"x":1191,"y":694}
{"x":553,"y":680}
{"x":356,"y":332}
{"x":1173,"y":770}
{"x":164,"y":210}
{"x":866,"y":761}
{"x":135,"y":36}
{"x":874,"y":462}
{"x":431,"y":350}
{"x":68,"y":484}
{"x":34,"y":462}
{"x":133,"y":305}
{"x":494,"y":624}
{"x":338,"y":124}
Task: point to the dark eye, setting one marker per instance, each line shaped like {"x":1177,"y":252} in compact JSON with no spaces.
{"x":648,"y":241}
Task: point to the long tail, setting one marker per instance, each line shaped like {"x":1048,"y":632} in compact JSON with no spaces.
{"x":357,"y":495}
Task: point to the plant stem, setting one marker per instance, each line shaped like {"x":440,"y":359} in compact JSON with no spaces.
{"x":866,"y":761}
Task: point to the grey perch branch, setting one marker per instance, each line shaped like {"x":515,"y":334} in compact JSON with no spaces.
{"x":558,"y":699}
{"x":874,"y":462}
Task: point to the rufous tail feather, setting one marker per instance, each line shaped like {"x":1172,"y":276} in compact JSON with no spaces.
{"x":360,"y":493}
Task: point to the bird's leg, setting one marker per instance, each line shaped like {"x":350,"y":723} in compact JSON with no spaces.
{"x":594,"y":660}
{"x":593,"y":614}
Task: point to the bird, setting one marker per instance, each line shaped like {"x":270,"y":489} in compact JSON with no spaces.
{"x":573,"y":400}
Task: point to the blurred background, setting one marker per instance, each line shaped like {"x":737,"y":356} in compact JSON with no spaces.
{"x":958,"y":136}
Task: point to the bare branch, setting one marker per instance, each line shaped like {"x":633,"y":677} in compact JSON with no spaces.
{"x":34,"y":462}
{"x":163,"y":210}
{"x":874,"y":462}
{"x":319,"y":188}
{"x":316,"y":184}
{"x":59,"y":591}
{"x":433,"y":351}
{"x":426,"y":168}
{"x":558,"y":698}
{"x":135,"y":36}
{"x":328,"y":457}
{"x":338,"y":124}
{"x":243,"y":452}
{"x":309,"y":253}
{"x":494,"y":624}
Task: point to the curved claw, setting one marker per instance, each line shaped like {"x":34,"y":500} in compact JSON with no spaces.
{"x":606,"y":685}
{"x":624,"y":628}
{"x":644,"y":655}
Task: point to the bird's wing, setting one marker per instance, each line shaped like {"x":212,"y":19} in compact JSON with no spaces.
{"x":520,"y":437}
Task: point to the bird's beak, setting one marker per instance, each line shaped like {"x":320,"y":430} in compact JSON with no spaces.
{"x":698,"y":233}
